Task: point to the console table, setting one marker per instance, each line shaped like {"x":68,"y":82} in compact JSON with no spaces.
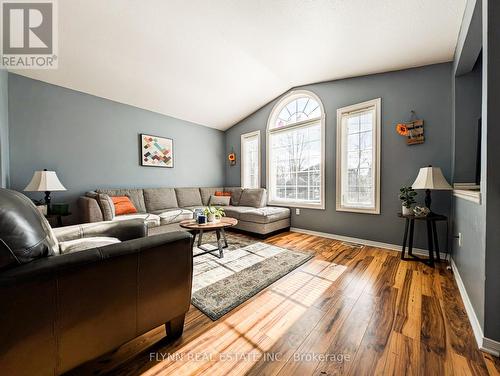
{"x":432,"y":237}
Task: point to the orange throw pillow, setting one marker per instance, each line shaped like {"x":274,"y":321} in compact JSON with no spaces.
{"x":123,"y":205}
{"x":223,"y":194}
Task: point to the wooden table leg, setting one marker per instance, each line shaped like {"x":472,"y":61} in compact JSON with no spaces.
{"x":405,"y":238}
{"x":410,"y":243}
{"x":436,"y":244}
{"x":429,"y":243}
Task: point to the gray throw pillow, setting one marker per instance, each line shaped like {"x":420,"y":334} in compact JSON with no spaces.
{"x":255,"y":197}
{"x":219,"y":200}
{"x":107,"y":206}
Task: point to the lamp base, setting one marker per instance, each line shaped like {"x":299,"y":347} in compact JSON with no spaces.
{"x":47,"y":201}
{"x":428,"y":200}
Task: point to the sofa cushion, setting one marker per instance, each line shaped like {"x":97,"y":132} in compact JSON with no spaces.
{"x":253,"y":197}
{"x":151,"y":220}
{"x":267,"y":214}
{"x":235,"y":194}
{"x":86,"y":243}
{"x":174,"y":215}
{"x":123,"y":205}
{"x":236,"y":211}
{"x":220,"y":200}
{"x":135,"y":195}
{"x":206,"y":193}
{"x":188,"y":197}
{"x":107,"y":206}
{"x":159,"y":199}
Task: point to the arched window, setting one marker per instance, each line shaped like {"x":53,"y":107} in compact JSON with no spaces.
{"x":296,"y":151}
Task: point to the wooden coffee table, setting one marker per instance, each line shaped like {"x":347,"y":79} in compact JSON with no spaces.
{"x":218,"y":227}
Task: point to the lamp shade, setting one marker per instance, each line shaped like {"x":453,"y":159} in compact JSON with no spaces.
{"x":431,"y":178}
{"x":44,"y":181}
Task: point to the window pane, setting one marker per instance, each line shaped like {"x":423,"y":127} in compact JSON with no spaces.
{"x":250,"y":168}
{"x":297,"y":110}
{"x":353,"y":142}
{"x":353,"y":159}
{"x":365,"y":140}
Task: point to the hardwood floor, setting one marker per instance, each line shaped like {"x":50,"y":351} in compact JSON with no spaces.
{"x":350,"y":310}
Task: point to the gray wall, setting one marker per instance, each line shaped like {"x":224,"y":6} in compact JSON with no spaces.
{"x":468,"y":104}
{"x":4,"y":130}
{"x":469,"y":220}
{"x":427,"y":91}
{"x":93,"y":142}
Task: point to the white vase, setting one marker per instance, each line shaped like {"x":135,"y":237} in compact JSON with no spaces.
{"x":211,"y":217}
{"x":406,"y":211}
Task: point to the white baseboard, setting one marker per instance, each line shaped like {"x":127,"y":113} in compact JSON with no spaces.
{"x":370,"y":243}
{"x":485,"y":344}
{"x":491,"y":347}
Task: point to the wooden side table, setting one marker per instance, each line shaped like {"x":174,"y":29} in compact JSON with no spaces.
{"x":432,"y":237}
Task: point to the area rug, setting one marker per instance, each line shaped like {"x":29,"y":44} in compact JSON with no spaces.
{"x":248,"y":266}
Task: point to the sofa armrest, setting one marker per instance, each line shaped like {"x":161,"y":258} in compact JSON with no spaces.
{"x":123,"y":230}
{"x":51,"y":266}
{"x":90,"y":209}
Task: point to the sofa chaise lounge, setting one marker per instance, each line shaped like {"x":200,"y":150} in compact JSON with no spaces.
{"x":164,"y":208}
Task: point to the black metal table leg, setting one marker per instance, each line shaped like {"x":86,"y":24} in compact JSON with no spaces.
{"x":223,"y":233}
{"x":405,"y":238}
{"x":429,"y":243}
{"x":221,"y":244}
{"x":410,"y":243}
{"x":200,"y":237}
{"x":221,"y":252}
{"x":436,"y":244}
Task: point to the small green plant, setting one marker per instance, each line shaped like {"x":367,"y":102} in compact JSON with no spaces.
{"x":407,"y":196}
{"x":218,"y":212}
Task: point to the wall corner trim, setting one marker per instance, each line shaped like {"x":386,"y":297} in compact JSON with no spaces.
{"x":485,"y":344}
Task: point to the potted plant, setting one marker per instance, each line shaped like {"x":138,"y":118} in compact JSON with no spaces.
{"x":214,"y":214}
{"x":407,"y":197}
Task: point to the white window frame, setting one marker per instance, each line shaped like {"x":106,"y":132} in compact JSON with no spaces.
{"x":270,"y":123}
{"x":242,"y":172}
{"x":377,"y":105}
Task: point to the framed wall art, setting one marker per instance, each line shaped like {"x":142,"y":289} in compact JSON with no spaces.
{"x":156,"y":151}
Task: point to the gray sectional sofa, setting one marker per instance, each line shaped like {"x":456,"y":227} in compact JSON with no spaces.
{"x":163,"y":208}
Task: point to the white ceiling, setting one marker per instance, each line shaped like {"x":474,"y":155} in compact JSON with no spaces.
{"x":214,"y":62}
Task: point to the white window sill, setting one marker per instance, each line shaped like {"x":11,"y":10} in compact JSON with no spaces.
{"x":467,"y":191}
{"x":469,"y":195}
{"x":358,"y":210}
{"x":301,"y":205}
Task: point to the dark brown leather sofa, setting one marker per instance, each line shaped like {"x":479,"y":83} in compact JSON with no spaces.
{"x":58,"y":311}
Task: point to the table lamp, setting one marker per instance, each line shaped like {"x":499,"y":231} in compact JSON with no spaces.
{"x":430,"y":178}
{"x":45,"y":181}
